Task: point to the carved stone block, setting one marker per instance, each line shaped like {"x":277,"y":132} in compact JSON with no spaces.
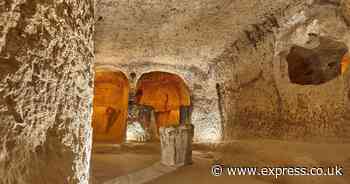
{"x":176,"y":145}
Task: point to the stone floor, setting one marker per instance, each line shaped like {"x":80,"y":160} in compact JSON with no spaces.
{"x":112,"y":161}
{"x":144,"y":175}
{"x":139,"y":163}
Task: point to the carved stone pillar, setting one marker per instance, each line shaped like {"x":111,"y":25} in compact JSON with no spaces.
{"x":176,"y":145}
{"x":153,"y":129}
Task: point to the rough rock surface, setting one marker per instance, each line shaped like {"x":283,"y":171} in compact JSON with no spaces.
{"x":135,"y":132}
{"x":317,"y":65}
{"x":260,"y":99}
{"x":176,"y":144}
{"x":46,"y":55}
{"x":345,"y":8}
{"x":232,"y":56}
{"x":186,"y":38}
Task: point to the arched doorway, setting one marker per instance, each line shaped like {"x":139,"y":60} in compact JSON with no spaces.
{"x":110,"y":107}
{"x":168,"y":97}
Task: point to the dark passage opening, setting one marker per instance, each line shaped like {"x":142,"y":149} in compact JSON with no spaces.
{"x":318,"y":65}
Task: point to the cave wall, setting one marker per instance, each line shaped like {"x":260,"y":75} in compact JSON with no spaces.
{"x":345,"y":10}
{"x":249,"y":94}
{"x":317,"y":111}
{"x":232,"y":57}
{"x":46,"y":57}
{"x":259,"y":97}
{"x":180,"y":37}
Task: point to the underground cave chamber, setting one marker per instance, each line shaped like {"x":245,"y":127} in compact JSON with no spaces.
{"x":158,"y":99}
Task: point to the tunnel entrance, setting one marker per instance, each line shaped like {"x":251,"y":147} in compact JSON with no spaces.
{"x":166,"y":97}
{"x":318,"y":65}
{"x":110,"y":107}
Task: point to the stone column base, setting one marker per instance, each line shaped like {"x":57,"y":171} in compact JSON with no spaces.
{"x":176,"y":145}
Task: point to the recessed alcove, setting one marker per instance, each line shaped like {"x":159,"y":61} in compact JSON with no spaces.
{"x":166,"y":94}
{"x":110,"y":106}
{"x":317,"y":65}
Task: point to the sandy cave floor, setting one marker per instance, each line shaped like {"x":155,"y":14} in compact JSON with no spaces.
{"x":110,"y":161}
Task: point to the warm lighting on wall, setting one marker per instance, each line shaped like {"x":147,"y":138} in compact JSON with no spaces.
{"x":164,"y":92}
{"x":110,"y":106}
{"x":345,"y":63}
